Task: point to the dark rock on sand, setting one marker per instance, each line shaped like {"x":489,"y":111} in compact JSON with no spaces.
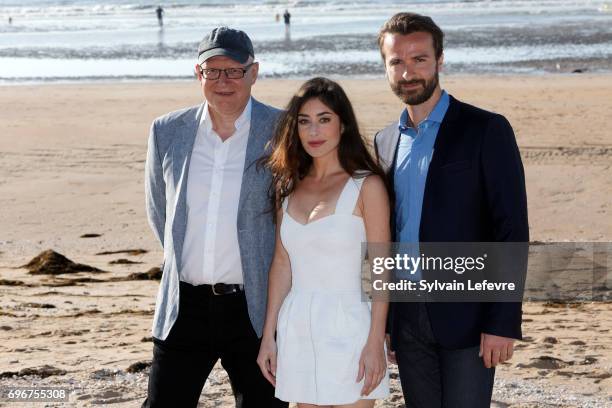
{"x":599,"y":375}
{"x":132,"y":252}
{"x":67,"y":333}
{"x":43,"y":372}
{"x":85,"y":313}
{"x":139,"y":366}
{"x":39,"y":305}
{"x":91,"y":235}
{"x":103,"y":374}
{"x":73,"y":281}
{"x":9,"y":282}
{"x":8,"y":314}
{"x":588,"y":360}
{"x":50,"y":262}
{"x":545,"y":363}
{"x":154,"y":273}
{"x":550,"y":340}
{"x":123,"y":261}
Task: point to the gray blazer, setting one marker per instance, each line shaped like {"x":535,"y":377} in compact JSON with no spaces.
{"x":166,"y":170}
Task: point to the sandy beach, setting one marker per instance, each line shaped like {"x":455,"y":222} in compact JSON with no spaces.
{"x":71,"y":164}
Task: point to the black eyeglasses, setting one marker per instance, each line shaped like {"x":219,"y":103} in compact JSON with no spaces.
{"x":230,"y":73}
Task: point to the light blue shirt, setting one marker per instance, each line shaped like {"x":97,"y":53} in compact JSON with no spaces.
{"x":414,"y":154}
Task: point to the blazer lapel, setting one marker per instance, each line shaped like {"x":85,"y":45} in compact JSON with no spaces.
{"x":181,"y":157}
{"x":390,"y":137}
{"x":392,"y":154}
{"x":255,"y":149}
{"x":441,"y":146}
{"x":444,"y":136}
{"x":388,"y":148}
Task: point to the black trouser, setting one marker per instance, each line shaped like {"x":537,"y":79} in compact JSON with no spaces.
{"x":208,"y":328}
{"x":434,"y":377}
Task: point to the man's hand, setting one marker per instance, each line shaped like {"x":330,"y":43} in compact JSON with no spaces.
{"x":495,"y":349}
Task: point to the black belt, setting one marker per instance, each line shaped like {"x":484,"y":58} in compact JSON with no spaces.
{"x":225,"y":289}
{"x":216,"y":289}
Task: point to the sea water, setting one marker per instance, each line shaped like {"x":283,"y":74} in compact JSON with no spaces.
{"x":85,"y":40}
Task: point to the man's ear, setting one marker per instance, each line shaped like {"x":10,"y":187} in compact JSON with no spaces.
{"x":441,"y":62}
{"x":197,"y":70}
{"x":254,"y":72}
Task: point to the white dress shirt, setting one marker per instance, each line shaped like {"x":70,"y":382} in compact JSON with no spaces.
{"x":210,"y":252}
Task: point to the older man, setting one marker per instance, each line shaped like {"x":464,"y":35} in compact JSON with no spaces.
{"x":207,"y":204}
{"x":456,"y":176}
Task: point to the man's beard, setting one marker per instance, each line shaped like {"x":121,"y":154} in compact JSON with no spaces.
{"x":415,"y":97}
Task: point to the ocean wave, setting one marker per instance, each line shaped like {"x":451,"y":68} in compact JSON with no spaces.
{"x":537,"y":38}
{"x":127,"y":52}
{"x":327,"y":36}
{"x":97,"y":8}
{"x":343,"y":70}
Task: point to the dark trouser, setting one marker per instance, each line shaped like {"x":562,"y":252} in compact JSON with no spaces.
{"x":208,"y":328}
{"x":434,"y":377}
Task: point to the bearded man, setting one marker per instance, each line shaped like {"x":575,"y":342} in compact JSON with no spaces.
{"x":455,"y":175}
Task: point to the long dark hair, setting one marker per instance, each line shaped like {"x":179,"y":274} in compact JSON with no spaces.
{"x":288,"y":160}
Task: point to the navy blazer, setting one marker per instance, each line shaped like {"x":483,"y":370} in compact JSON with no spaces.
{"x":474,"y":192}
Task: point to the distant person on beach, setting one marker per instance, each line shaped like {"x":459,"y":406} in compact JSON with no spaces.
{"x":287,"y":18}
{"x":277,"y":17}
{"x":10,"y":20}
{"x":322,"y":344}
{"x":160,"y":15}
{"x":455,"y":175}
{"x":207,"y":203}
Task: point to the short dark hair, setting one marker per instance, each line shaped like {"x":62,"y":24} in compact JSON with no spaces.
{"x":408,"y":23}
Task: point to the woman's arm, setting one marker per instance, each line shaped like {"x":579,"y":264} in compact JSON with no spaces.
{"x":279,"y":284}
{"x":374,"y":208}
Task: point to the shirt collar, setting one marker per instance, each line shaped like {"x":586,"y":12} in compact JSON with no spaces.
{"x":243,"y":120}
{"x":436,"y":115}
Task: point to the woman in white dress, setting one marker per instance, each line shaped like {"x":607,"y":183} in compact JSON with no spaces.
{"x":323,"y":345}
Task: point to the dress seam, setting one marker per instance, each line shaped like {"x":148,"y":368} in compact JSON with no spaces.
{"x":314,"y":353}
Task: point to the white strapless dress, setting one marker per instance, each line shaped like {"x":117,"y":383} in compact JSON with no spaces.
{"x":323,"y":323}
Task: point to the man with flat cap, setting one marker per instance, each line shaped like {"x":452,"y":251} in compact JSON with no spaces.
{"x":206,"y":201}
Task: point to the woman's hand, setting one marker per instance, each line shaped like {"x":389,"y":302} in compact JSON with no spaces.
{"x":372,"y":365}
{"x":267,"y":359}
